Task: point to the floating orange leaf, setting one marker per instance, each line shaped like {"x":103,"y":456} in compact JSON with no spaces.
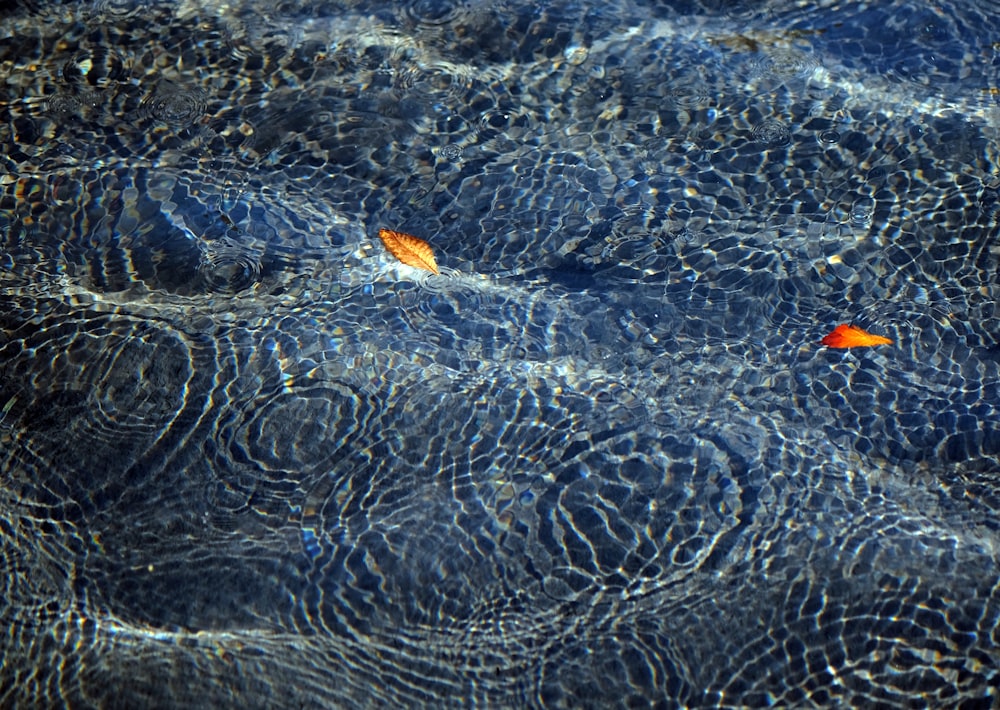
{"x":851,"y":336}
{"x":411,"y":250}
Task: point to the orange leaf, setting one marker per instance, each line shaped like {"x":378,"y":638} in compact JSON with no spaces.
{"x":409,"y":249}
{"x":851,"y":336}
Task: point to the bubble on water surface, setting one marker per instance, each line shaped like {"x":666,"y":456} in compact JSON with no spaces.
{"x":100,"y":67}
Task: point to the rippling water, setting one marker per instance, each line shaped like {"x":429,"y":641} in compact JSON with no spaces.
{"x":249,"y":459}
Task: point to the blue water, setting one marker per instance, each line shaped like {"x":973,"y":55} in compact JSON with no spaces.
{"x":602,"y":459}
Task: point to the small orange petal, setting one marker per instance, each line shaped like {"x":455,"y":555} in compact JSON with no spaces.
{"x":411,"y":250}
{"x":851,"y":336}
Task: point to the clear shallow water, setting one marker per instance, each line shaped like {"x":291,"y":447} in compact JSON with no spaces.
{"x":250,"y":460}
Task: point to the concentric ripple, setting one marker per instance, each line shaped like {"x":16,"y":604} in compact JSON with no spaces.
{"x":434,"y":12}
{"x":298,"y":429}
{"x":442,"y":81}
{"x":686,"y":94}
{"x":229,"y":266}
{"x":119,"y":9}
{"x":174,"y":105}
{"x":501,"y":120}
{"x":783,"y":64}
{"x":772,"y":133}
{"x":65,"y":104}
{"x":107,"y":383}
{"x":911,"y":318}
